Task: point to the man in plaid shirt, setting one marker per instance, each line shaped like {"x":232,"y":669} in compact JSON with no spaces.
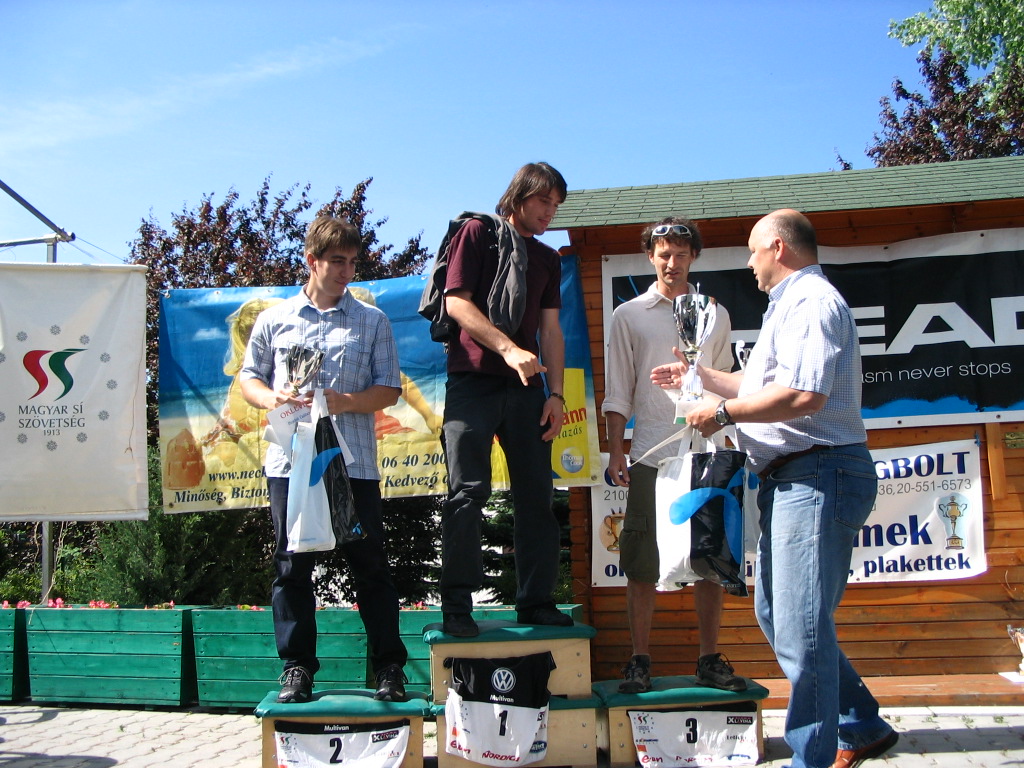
{"x":359,"y":376}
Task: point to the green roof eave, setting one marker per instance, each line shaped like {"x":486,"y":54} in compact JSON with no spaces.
{"x":898,"y":186}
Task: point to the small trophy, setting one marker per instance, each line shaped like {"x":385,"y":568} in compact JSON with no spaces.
{"x":695,"y":317}
{"x":301,"y":363}
{"x":953,"y":511}
{"x":1017,"y":635}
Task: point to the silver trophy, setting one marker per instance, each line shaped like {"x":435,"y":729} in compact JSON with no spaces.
{"x":301,"y":364}
{"x":695,"y":317}
{"x":1017,"y":635}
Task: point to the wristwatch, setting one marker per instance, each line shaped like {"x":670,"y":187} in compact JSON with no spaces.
{"x":722,"y":417}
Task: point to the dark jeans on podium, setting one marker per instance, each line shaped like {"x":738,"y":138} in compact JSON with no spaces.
{"x":479,"y":407}
{"x":292,"y":599}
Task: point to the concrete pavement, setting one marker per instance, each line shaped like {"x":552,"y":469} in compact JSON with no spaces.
{"x":74,"y":737}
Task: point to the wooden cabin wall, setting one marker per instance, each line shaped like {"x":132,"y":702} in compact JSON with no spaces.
{"x":901,"y":628}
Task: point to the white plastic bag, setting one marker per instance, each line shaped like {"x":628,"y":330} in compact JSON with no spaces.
{"x":320,"y":507}
{"x":699,"y":514}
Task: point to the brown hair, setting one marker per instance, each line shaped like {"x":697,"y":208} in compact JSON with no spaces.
{"x":531,"y":179}
{"x":327,"y":232}
{"x":694,"y":240}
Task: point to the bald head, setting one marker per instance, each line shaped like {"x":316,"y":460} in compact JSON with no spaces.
{"x":794,"y":229}
{"x":781,"y":243}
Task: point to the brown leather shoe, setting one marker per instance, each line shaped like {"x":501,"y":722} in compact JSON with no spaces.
{"x":851,"y":758}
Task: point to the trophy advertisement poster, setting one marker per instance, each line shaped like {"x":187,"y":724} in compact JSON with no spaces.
{"x":927,"y":523}
{"x":608,"y":507}
{"x":694,"y":314}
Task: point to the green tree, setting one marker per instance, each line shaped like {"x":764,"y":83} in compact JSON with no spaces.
{"x":977,"y":33}
{"x":953,"y":120}
{"x":497,"y":535}
{"x":225,"y":557}
{"x":412,"y":533}
{"x":216,"y":558}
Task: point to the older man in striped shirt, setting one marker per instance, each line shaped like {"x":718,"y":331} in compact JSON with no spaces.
{"x":797,"y":411}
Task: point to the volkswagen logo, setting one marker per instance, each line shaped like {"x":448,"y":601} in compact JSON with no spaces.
{"x":503,"y":680}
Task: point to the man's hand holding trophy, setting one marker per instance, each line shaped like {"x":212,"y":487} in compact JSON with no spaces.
{"x":301,"y":364}
{"x":695,"y":318}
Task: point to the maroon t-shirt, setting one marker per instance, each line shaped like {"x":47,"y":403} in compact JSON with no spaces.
{"x":473,"y":266}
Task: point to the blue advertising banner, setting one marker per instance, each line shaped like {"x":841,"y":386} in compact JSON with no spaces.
{"x":212,"y":440}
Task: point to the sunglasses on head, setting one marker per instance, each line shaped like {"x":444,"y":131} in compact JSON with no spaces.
{"x":663,"y":230}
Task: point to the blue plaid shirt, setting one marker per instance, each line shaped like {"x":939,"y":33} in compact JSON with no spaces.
{"x":360,"y":352}
{"x":808,"y":341}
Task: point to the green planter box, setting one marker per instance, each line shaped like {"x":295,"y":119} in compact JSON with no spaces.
{"x":111,"y":655}
{"x":237,"y":661}
{"x":13,"y":655}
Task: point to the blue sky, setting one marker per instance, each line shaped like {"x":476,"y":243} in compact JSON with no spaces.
{"x":114,"y":111}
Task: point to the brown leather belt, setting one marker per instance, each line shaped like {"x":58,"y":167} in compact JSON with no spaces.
{"x":782,"y":461}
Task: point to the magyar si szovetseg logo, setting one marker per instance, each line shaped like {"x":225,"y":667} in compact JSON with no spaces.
{"x":42,"y":414}
{"x":56,"y":361}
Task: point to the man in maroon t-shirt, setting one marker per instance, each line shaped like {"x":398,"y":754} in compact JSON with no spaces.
{"x":495,"y":389}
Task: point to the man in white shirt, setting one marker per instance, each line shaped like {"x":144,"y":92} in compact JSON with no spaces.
{"x":643,"y":334}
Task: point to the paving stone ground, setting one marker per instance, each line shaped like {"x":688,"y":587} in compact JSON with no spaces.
{"x":73,"y":737}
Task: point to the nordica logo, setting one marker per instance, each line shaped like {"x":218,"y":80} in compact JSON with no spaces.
{"x":56,"y":362}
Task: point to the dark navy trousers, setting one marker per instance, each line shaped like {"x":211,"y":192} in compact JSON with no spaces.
{"x":294,"y":603}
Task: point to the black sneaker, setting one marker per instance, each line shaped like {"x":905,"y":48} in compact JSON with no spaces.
{"x":638,"y":675}
{"x":459,"y":625}
{"x":391,"y":684}
{"x":296,"y":686}
{"x":715,"y":671}
{"x":544,"y":615}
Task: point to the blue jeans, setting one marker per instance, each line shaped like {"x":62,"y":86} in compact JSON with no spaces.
{"x":294,"y":603}
{"x":477,"y":408}
{"x":811,"y":510}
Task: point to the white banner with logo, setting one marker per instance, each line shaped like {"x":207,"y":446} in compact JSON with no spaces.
{"x":927,"y":523}
{"x":72,"y":392}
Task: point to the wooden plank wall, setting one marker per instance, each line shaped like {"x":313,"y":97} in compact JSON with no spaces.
{"x":915,"y":628}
